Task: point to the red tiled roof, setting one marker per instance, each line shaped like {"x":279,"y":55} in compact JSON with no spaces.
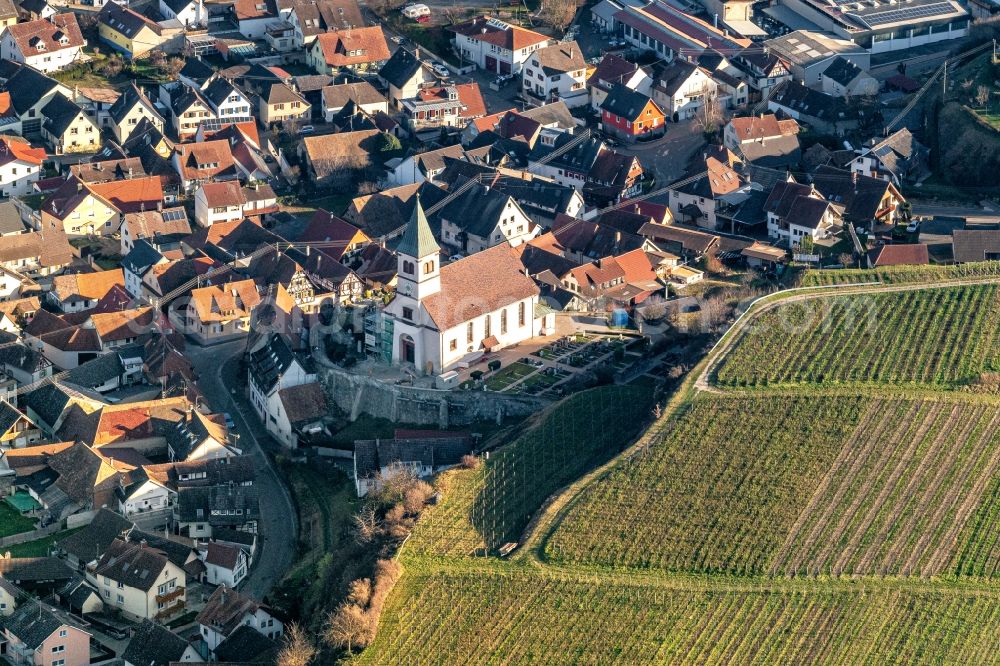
{"x":504,"y":35}
{"x":368,"y":44}
{"x":900,"y":255}
{"x":61,"y":31}
{"x":13,"y":148}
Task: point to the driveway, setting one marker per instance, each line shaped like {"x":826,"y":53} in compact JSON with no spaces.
{"x":278,"y":528}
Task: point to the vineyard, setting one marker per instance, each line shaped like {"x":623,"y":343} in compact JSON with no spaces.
{"x":503,"y":614}
{"x":944,"y":337}
{"x":717,"y":493}
{"x":902,"y":274}
{"x":490,"y":506}
{"x":846,"y":510}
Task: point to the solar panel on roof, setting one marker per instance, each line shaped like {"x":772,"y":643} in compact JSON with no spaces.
{"x":902,"y":14}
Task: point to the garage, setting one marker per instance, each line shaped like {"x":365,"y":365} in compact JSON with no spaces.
{"x":491,"y":64}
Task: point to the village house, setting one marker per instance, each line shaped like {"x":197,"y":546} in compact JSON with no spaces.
{"x":252,"y":17}
{"x":82,"y":291}
{"x":302,"y":412}
{"x":201,"y":510}
{"x":67,"y":128}
{"x":219,"y":202}
{"x":225,"y":565}
{"x":188,"y":110}
{"x":140,"y":581}
{"x":898,"y":157}
{"x":341,"y":158}
{"x":484,"y":217}
{"x":37,"y":634}
{"x":420,"y":453}
{"x":20,"y":166}
{"x":699,"y":202}
{"x":404,"y":74}
{"x":763,"y":70}
{"x":359,"y":49}
{"x":824,"y":113}
{"x":205,"y":162}
{"x":216,"y":313}
{"x":272,"y":368}
{"x":129,"y":110}
{"x":127,"y":31}
{"x":556,"y":72}
{"x":153,"y":644}
{"x":630,"y":115}
{"x":47,"y":44}
{"x":764,"y":140}
{"x":310,"y":18}
{"x":682,"y":89}
{"x":168,"y":226}
{"x":281,"y":103}
{"x":496,"y":46}
{"x":796,"y":211}
{"x":446,"y":106}
{"x":190,"y":13}
{"x":843,"y":78}
{"x":614,"y":70}
{"x":362,"y":94}
{"x":227,"y":610}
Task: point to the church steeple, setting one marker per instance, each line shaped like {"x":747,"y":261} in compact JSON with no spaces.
{"x":418,"y":257}
{"x":418,"y":240}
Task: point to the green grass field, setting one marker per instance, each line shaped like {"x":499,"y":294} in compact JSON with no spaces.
{"x":794,"y":524}
{"x":944,"y":337}
{"x":12,"y":522}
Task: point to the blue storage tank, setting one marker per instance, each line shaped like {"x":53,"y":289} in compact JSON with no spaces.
{"x":619,"y":318}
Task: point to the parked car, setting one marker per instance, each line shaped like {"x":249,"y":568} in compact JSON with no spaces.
{"x":441,"y":70}
{"x":913,"y":227}
{"x":230,"y":423}
{"x":307,"y":129}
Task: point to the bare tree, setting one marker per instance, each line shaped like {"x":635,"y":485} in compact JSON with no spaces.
{"x":348,"y":627}
{"x":366,"y":523}
{"x":359,"y":592}
{"x":709,"y":116}
{"x":298,"y":649}
{"x":558,"y":13}
{"x":416,"y":496}
{"x":470,"y":461}
{"x":982,"y":95}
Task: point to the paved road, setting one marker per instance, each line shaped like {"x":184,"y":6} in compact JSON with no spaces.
{"x":667,"y":157}
{"x":278,"y":528}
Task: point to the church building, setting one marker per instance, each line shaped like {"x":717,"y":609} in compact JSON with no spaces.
{"x":444,"y":315}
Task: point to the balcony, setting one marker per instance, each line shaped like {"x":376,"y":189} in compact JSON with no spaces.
{"x":175,"y":593}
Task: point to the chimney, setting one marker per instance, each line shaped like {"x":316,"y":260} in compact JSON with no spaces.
{"x":79,"y":186}
{"x":130,"y":172}
{"x":854,"y":178}
{"x":416,"y":53}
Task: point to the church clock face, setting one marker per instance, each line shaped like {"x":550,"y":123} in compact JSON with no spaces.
{"x":407,"y":288}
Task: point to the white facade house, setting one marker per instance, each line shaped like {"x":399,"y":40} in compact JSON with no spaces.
{"x":227,"y":610}
{"x":442,"y":316}
{"x":272,"y":368}
{"x":682,"y":89}
{"x":556,"y":72}
{"x":20,"y":167}
{"x":225,"y":564}
{"x":139,"y":581}
{"x":496,"y":46}
{"x":191,"y":13}
{"x":218,"y":202}
{"x":45,"y":44}
{"x":150,"y":495}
